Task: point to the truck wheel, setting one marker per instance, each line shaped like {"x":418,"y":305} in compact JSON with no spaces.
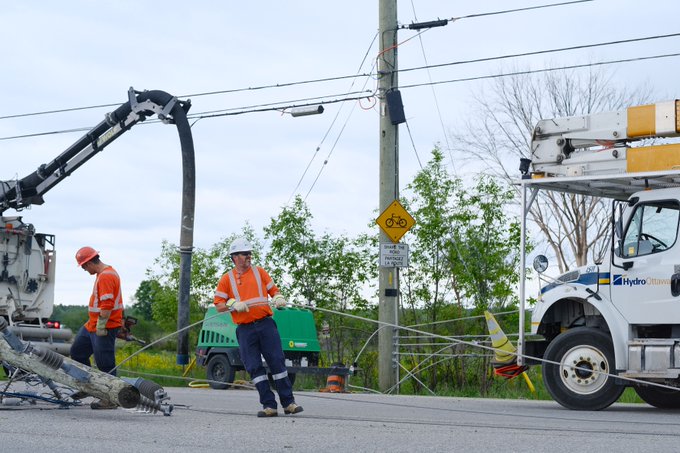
{"x":220,"y":372}
{"x":662,"y":398}
{"x":586,"y":388}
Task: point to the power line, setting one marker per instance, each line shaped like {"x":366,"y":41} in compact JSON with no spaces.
{"x":443,"y":22}
{"x":207,"y":93}
{"x":327,"y":79}
{"x":436,"y":104}
{"x":536,"y":71}
{"x":279,"y":105}
{"x":368,"y":96}
{"x":540,"y":52}
{"x":335,"y":118}
{"x":470,"y":16}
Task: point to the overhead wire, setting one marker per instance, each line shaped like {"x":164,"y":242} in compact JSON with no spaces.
{"x":207,"y":93}
{"x":330,"y":127}
{"x":337,"y":138}
{"x":436,"y":103}
{"x":538,"y":71}
{"x":541,"y":52}
{"x":516,"y":10}
{"x":243,"y":110}
{"x":370,"y":95}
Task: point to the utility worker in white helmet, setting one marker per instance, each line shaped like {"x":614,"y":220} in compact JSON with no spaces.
{"x":245,"y":291}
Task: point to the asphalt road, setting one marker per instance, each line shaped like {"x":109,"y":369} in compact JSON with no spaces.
{"x":206,"y":420}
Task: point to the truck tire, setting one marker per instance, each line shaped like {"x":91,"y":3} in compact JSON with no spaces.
{"x":580,"y":389}
{"x":662,"y":398}
{"x":220,"y":372}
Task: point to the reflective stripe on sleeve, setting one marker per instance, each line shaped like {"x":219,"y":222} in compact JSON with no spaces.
{"x":221,"y":294}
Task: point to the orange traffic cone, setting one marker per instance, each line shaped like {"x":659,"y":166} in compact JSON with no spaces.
{"x":505,"y":353}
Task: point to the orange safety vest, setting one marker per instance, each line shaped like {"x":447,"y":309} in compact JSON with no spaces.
{"x":106,"y":295}
{"x":252,"y":287}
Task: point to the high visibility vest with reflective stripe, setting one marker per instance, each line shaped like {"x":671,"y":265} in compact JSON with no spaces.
{"x":258,"y":305}
{"x":96,"y":300}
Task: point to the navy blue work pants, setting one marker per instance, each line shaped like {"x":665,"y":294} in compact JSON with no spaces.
{"x":104,"y":349}
{"x":261,"y":339}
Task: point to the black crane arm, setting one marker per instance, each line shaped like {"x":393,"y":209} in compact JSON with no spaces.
{"x":21,"y":193}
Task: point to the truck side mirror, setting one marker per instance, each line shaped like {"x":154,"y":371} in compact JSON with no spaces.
{"x":540,"y":263}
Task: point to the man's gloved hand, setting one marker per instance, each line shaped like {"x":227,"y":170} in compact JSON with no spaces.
{"x":101,"y":327}
{"x":240,"y":307}
{"x":279,"y":301}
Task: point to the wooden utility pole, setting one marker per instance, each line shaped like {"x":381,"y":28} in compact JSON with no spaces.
{"x":388,"y":283}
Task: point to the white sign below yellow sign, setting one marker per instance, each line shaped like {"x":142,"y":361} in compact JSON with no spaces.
{"x":393,"y":255}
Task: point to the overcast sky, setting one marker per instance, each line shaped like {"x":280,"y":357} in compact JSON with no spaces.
{"x":124,"y":202}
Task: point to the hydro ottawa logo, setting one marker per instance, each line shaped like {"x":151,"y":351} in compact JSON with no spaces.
{"x":622,"y":280}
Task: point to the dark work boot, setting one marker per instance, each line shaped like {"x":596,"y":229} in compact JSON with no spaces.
{"x":292,"y":408}
{"x":268,"y":412}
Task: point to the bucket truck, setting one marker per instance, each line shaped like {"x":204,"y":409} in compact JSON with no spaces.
{"x":615,"y":323}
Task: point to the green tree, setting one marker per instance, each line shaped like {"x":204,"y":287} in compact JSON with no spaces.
{"x":428,"y":281}
{"x":144,"y":298}
{"x":207,"y":266}
{"x":293,"y":258}
{"x":464,"y":260}
{"x":70,"y":316}
{"x":332,"y":272}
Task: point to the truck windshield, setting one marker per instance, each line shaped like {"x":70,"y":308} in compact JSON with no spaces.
{"x":653,"y":228}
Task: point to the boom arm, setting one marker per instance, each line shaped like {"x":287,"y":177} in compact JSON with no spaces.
{"x":598,"y":144}
{"x":29,"y":190}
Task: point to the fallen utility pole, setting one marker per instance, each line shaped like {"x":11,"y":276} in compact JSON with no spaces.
{"x":55,"y":367}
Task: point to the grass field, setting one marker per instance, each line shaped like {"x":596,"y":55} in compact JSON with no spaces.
{"x":161,"y":368}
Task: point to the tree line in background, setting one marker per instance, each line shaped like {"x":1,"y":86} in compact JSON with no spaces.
{"x":464,"y":256}
{"x":464,"y":247}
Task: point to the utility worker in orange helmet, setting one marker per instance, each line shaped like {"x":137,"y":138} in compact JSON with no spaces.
{"x":98,"y":336}
{"x":245,"y":291}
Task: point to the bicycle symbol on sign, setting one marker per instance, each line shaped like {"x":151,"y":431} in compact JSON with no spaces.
{"x":395,"y":221}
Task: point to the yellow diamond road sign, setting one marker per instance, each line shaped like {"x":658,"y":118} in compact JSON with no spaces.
{"x":395,"y":221}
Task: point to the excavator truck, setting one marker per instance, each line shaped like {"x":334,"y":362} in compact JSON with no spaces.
{"x":614,"y":323}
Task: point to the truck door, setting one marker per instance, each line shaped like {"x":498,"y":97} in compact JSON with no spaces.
{"x":645,"y":260}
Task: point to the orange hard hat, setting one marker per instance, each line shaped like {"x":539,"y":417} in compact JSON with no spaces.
{"x":85,"y":254}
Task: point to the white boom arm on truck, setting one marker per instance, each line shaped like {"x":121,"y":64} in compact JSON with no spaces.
{"x":616,"y":323}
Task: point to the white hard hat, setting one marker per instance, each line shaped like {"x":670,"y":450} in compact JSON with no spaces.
{"x":240,"y":245}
